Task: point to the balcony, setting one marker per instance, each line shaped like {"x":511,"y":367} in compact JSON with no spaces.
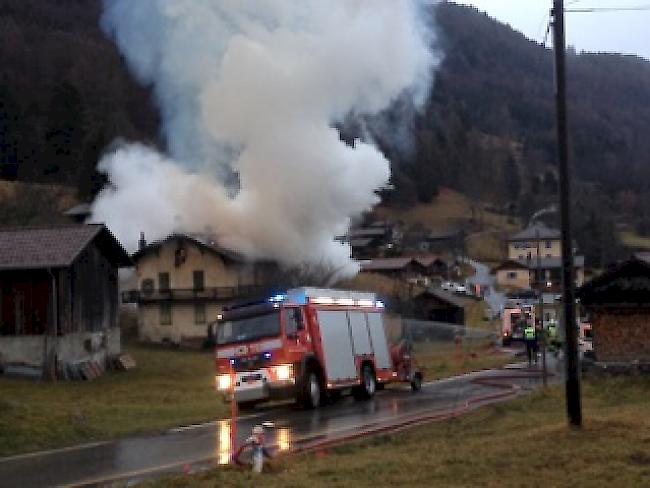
{"x":216,"y":293}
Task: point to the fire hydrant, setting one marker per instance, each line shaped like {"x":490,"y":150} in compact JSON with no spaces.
{"x":256,"y":444}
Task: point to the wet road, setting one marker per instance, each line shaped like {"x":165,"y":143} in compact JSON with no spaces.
{"x":204,"y":445}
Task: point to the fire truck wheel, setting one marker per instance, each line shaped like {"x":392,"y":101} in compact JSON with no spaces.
{"x":311,"y":394}
{"x":416,"y":382}
{"x":246,"y":406}
{"x":368,"y":384}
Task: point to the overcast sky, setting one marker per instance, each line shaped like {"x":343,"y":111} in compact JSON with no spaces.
{"x":626,"y":32}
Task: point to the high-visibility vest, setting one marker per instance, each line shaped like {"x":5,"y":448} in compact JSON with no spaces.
{"x":529,"y":333}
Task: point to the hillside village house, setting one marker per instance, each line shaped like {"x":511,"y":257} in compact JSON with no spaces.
{"x":522,"y":269}
{"x":58,"y":299}
{"x":372,"y":240}
{"x":419,"y":269}
{"x":618,"y":306}
{"x":183,"y":283}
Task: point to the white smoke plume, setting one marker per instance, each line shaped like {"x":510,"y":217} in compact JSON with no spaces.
{"x":255,"y":87}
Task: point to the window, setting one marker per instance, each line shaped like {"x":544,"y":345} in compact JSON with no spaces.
{"x":512,"y":275}
{"x":548,"y":244}
{"x":249,"y":328}
{"x":163,"y":281}
{"x":199,"y":280}
{"x":165,"y":313}
{"x":147,"y":286}
{"x":199,"y":313}
{"x":292,"y":321}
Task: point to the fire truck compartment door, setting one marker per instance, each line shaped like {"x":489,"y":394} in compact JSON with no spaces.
{"x":337,"y":347}
{"x":378,"y":337}
{"x":360,"y":337}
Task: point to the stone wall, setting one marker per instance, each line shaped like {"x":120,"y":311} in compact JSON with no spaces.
{"x":621,"y":336}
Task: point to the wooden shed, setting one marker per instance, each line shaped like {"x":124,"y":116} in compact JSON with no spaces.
{"x":618,"y":303}
{"x":58,"y":297}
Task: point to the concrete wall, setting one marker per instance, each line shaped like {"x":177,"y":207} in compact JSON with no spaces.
{"x":619,"y":336}
{"x":28,"y":349}
{"x":183,"y":324}
{"x":520,"y":249}
{"x":520,"y":280}
{"x":70,"y":348}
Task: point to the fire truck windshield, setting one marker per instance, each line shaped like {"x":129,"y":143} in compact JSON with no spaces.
{"x":249,"y":328}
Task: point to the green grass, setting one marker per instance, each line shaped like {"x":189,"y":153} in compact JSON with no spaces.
{"x":167,"y":388}
{"x":524,"y":442}
{"x":634,"y":240}
{"x":475,"y":312}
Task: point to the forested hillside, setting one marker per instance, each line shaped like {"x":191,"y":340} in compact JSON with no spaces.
{"x":64,"y":93}
{"x":487,"y":129}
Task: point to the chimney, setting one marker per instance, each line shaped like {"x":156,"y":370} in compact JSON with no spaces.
{"x":142,"y":242}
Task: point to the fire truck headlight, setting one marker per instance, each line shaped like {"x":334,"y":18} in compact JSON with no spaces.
{"x":283,"y":372}
{"x":223,"y":382}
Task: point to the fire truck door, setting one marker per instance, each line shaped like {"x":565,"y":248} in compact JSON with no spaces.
{"x":337,"y":347}
{"x":360,"y":338}
{"x":378,"y":337}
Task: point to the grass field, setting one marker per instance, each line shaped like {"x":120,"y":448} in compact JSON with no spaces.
{"x":167,"y":388}
{"x":524,"y":442}
{"x":448,"y":208}
{"x":635,"y":241}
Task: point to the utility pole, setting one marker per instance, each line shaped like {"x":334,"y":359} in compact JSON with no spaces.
{"x":574,"y":408}
{"x":540,"y":290}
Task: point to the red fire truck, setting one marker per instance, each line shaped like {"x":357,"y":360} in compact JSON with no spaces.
{"x":305,"y":344}
{"x":514,"y":320}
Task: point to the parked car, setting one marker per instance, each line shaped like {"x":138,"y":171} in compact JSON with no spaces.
{"x":448,"y":286}
{"x":460,"y":289}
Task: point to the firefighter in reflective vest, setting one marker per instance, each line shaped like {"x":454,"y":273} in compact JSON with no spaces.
{"x":530,"y":338}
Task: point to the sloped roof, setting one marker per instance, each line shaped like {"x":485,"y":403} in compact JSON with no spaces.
{"x":537,"y":231}
{"x":80,"y":209}
{"x":624,"y":284}
{"x":544,"y":263}
{"x":362,"y":242}
{"x":201,"y":241}
{"x":510,"y":264}
{"x":55,"y":246}
{"x":367,"y":232}
{"x":443,"y":296}
{"x":385,"y":264}
{"x":427,"y":261}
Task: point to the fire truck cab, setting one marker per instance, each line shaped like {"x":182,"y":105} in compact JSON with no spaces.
{"x":305,"y":343}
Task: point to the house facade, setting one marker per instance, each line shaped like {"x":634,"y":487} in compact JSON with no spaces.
{"x":524,"y":245}
{"x":544,"y":274}
{"x":523,"y":269}
{"x":58,"y":299}
{"x":183,"y":283}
